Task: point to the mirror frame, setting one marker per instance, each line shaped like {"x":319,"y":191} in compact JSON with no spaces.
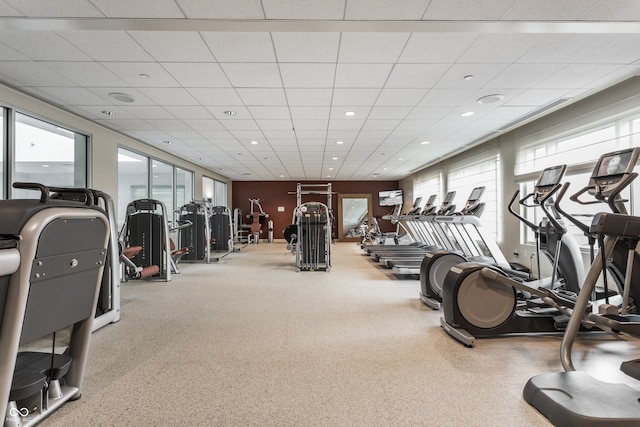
{"x":369,"y":213}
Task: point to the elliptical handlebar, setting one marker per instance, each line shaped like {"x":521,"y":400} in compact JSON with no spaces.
{"x":561,"y":229}
{"x":528,"y":223}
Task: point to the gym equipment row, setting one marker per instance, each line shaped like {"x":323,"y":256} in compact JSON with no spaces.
{"x":572,"y":397}
{"x":210,"y":236}
{"x":52,"y":256}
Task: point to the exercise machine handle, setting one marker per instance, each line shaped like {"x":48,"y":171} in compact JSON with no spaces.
{"x":528,"y":223}
{"x":583,"y":227}
{"x":44,"y":191}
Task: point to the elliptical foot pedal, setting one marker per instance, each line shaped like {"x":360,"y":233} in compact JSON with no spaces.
{"x":577,"y":399}
{"x":631,"y":368}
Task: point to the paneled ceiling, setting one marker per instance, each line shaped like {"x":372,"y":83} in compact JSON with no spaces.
{"x":258,"y":89}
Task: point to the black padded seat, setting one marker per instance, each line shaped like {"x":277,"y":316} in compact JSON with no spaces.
{"x":32,"y":370}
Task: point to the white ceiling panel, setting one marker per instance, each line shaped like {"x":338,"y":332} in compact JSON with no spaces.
{"x":240,"y":47}
{"x":416,"y":75}
{"x":170,"y":46}
{"x":197,"y":74}
{"x":309,"y":97}
{"x":355,"y":97}
{"x":536,"y":97}
{"x":361,"y":75}
{"x":195,"y":113}
{"x":500,"y":48}
{"x":169,"y":96}
{"x":217,"y":96}
{"x":523,"y":75}
{"x":269,"y":112}
{"x":389,"y":112}
{"x":306,"y":47}
{"x":480,"y":74}
{"x":43,"y":45}
{"x":279,"y":134}
{"x":436,"y":48}
{"x":308,"y":75}
{"x":222,"y":9}
{"x":381,"y":48}
{"x":86,"y":73}
{"x":576,"y":75}
{"x":548,"y":10}
{"x":467,"y":9}
{"x":305,"y":125}
{"x":31,"y":76}
{"x":275,"y":125}
{"x":340,"y":125}
{"x":621,"y":10}
{"x":139,"y":8}
{"x":385,"y":10}
{"x":252,"y":74}
{"x":263,"y":96}
{"x":75,"y":95}
{"x":400,"y":97}
{"x":147,"y":112}
{"x":303,"y":9}
{"x":54,"y":8}
{"x":234,"y":124}
{"x":107,"y":45}
{"x":141,"y":74}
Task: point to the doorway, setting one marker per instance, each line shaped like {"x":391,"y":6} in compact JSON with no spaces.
{"x":353,"y":216}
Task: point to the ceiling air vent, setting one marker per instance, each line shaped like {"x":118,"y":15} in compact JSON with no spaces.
{"x":533,"y":114}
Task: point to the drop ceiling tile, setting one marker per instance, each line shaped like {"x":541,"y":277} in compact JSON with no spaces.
{"x":234,"y":124}
{"x":548,"y":10}
{"x":25,"y":74}
{"x":50,"y":9}
{"x":240,"y":46}
{"x":279,"y":134}
{"x":139,"y":9}
{"x":190,"y":113}
{"x":74,"y":95}
{"x":355,"y":97}
{"x":576,"y":75}
{"x":387,"y":125}
{"x":436,"y":48}
{"x":340,"y":125}
{"x":167,"y":125}
{"x":269,"y":112}
{"x":481,"y":74}
{"x":203,"y":125}
{"x":107,"y":45}
{"x":342,"y":135}
{"x":169,"y":46}
{"x":86,"y":73}
{"x":498,"y":48}
{"x":338,"y":113}
{"x":389,"y":112}
{"x":263,"y":96}
{"x":184,"y":135}
{"x":400,"y":97}
{"x":42,"y":45}
{"x":362,"y":75}
{"x":214,"y":134}
{"x":7,"y":53}
{"x":621,"y":10}
{"x":275,"y":125}
{"x":467,"y":9}
{"x":306,"y":46}
{"x":200,"y":143}
{"x":385,"y":10}
{"x":536,"y":97}
{"x":147,"y":111}
{"x":303,"y":9}
{"x":222,"y":9}
{"x":303,"y":125}
{"x":371,"y":47}
{"x":618,"y":49}
{"x":309,"y":97}
{"x":169,"y":96}
{"x":309,"y":113}
{"x":381,"y":134}
{"x":562,"y":48}
{"x":308,"y":75}
{"x":523,"y":76}
{"x":311,"y":134}
{"x":133,"y":125}
{"x":246,"y":136}
{"x":217,"y":97}
{"x":197,"y":74}
{"x":252,"y":74}
{"x":446,"y":97}
{"x":141,"y":74}
{"x":416,"y":75}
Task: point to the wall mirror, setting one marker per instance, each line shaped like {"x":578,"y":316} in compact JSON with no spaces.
{"x":353,"y":216}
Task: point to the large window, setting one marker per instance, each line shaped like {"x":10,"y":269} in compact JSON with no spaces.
{"x":214,"y":190}
{"x":471,"y":172}
{"x":426,"y":185}
{"x":3,"y":144}
{"x":162,"y":184}
{"x":579,"y":152}
{"x":140,"y":177}
{"x":47,"y":154}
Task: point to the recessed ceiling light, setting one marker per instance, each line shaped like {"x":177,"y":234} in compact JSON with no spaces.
{"x":385,"y":169}
{"x":334,"y":158}
{"x":122,"y":97}
{"x":339,"y":142}
{"x":400,"y":158}
{"x":425,"y":142}
{"x":328,"y":176}
{"x":376,"y":174}
{"x":281,"y":176}
{"x":330,"y":169}
{"x":45,"y":166}
{"x":467,"y":114}
{"x":167,"y":141}
{"x":254,"y":142}
{"x":350,"y":113}
{"x":247,"y":173}
{"x":267,"y":158}
{"x":108,"y":113}
{"x":144,"y":76}
{"x":200,"y":158}
{"x":230,"y":113}
{"x":468,"y":77}
{"x":490,"y":99}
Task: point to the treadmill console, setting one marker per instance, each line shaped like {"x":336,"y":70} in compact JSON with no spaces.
{"x":473,"y":200}
{"x":610,"y":170}
{"x":548,"y":182}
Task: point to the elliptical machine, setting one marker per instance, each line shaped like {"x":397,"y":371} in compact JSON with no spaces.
{"x":480,"y":299}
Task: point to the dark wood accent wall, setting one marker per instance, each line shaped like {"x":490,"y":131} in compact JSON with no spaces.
{"x":276,"y":193}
